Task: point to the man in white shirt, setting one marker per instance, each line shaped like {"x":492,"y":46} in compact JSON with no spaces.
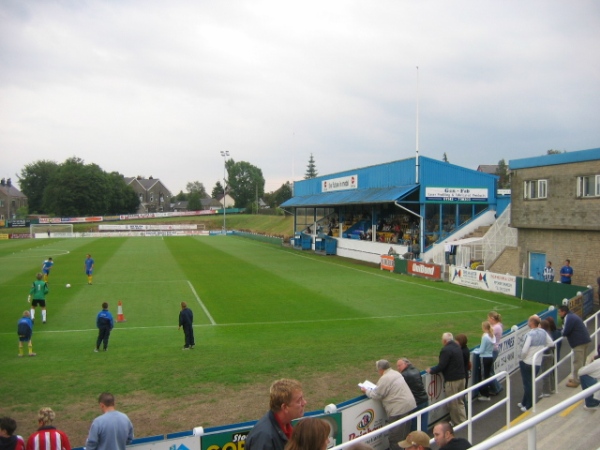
{"x":589,"y":375}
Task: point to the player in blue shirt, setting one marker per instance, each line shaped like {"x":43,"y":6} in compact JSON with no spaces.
{"x":105,"y":323}
{"x":566,"y":273}
{"x":25,"y":331}
{"x":46,"y":266}
{"x":89,"y":267}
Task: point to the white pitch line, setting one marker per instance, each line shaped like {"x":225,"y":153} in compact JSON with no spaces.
{"x":212,"y":321}
{"x":278,"y":323}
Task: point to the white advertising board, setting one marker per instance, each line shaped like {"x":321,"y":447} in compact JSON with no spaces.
{"x":486,"y":281}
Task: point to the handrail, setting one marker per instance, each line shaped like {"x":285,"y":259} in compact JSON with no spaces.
{"x":468,"y":423}
{"x":554,"y":369}
{"x":529,"y":425}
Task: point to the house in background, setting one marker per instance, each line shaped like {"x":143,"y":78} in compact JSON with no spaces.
{"x":210,"y":203}
{"x":229,"y":201}
{"x":556,"y":208}
{"x":153,"y":194}
{"x":11,"y":199}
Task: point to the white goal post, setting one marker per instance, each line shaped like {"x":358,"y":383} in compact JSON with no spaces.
{"x":46,"y":230}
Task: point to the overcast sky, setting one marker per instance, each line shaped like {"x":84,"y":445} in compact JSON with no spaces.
{"x":148,"y":87}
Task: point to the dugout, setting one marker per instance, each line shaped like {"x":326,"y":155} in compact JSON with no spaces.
{"x":410,"y":204}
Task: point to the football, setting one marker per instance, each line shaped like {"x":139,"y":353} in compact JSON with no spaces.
{"x":68,"y":285}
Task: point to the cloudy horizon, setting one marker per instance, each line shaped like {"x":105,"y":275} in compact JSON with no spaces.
{"x":160,"y":89}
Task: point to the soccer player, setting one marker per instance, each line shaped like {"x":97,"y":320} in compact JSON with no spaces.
{"x":46,"y":268}
{"x":25,"y":331}
{"x":37,"y":296}
{"x":89,"y":267}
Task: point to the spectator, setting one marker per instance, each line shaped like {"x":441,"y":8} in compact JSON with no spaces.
{"x":47,"y":437}
{"x":579,"y":338}
{"x":186,"y":320}
{"x":105,"y":324}
{"x":549,"y":380}
{"x":310,"y":434}
{"x":416,"y":440}
{"x":495,"y":320}
{"x":589,"y":376}
{"x":462,"y":341}
{"x":451,"y":365}
{"x":443,"y":433}
{"x":360,"y":446}
{"x":413,"y":378}
{"x":535,"y":340}
{"x":112,"y":430}
{"x":549,"y":272}
{"x":274,"y":429}
{"x":397,"y":400}
{"x":566,"y":273}
{"x":555,"y":334}
{"x":8,"y":439}
{"x":25,"y":331}
{"x":486,"y":358}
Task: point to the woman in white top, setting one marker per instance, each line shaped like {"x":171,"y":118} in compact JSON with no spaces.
{"x":495,"y":320}
{"x":486,"y":350}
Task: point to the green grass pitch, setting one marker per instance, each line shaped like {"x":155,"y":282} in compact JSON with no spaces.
{"x":271,"y":312}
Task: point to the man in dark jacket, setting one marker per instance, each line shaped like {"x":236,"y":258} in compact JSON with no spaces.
{"x":452,"y":367}
{"x":443,"y":433}
{"x":274,"y":429}
{"x":579,"y":338}
{"x":186,"y":320}
{"x":105,"y":323}
{"x":413,"y":378}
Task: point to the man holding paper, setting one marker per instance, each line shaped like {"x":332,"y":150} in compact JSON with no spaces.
{"x":396,"y":398}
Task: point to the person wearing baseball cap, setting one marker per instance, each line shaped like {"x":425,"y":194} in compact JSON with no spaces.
{"x":416,"y":440}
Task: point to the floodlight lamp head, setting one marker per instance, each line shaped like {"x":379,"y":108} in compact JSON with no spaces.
{"x":224,"y":153}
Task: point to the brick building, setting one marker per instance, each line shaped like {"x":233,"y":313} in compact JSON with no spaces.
{"x":556,"y":208}
{"x":11,"y":199}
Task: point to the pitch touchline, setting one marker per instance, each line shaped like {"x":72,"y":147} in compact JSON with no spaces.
{"x":212,"y":321}
{"x":286,"y":322}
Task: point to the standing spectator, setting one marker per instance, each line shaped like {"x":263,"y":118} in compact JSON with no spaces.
{"x":579,"y":338}
{"x":25,"y":331}
{"x":310,"y":434}
{"x":451,"y":365}
{"x":495,"y":320}
{"x":549,"y":381}
{"x":89,"y":267}
{"x":462,"y":341}
{"x":555,"y":334}
{"x":416,"y":440}
{"x":105,"y":324}
{"x":274,"y":429}
{"x":8,"y":439}
{"x":37,"y":296}
{"x":416,"y":249}
{"x":589,"y":376}
{"x":443,"y":433}
{"x":566,"y":273}
{"x":47,"y":437}
{"x":549,"y":272}
{"x":186,"y":320}
{"x":396,"y":398}
{"x":112,"y":430}
{"x":486,"y":358}
{"x":46,"y":266}
{"x":413,"y":378}
{"x":535,"y":340}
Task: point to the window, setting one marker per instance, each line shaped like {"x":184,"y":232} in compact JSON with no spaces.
{"x":536,"y":189}
{"x":151,"y":197}
{"x":588,"y":186}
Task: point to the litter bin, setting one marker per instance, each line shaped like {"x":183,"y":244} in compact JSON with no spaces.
{"x":306,"y":241}
{"x":297,"y":240}
{"x":319,"y":244}
{"x":330,"y":246}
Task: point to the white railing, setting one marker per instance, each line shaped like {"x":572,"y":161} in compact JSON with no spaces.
{"x":468,"y":423}
{"x":498,"y":237}
{"x":529,"y":425}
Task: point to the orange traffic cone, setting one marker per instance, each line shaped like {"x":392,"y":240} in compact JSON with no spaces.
{"x":120,"y":316}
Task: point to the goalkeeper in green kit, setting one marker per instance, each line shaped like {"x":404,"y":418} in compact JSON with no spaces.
{"x":37,"y":296}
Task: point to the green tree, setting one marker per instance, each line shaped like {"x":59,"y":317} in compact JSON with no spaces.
{"x":196,"y":187}
{"x":502,"y":172}
{"x":33,"y":180}
{"x":283,"y":193}
{"x":245,"y":182}
{"x":181,"y":197}
{"x":194,"y":203}
{"x":77,"y":189}
{"x":122,"y":199}
{"x":311,"y":169}
{"x":217,"y":190}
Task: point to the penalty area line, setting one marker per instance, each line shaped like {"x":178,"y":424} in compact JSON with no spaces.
{"x":212,"y":321}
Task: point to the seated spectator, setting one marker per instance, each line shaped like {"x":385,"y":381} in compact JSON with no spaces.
{"x":8,"y":440}
{"x":310,"y":434}
{"x":416,"y":440}
{"x":48,"y":433}
{"x":589,"y":376}
{"x":443,"y":433}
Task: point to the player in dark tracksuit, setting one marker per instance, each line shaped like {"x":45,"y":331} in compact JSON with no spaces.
{"x":186,"y":320}
{"x":105,"y":323}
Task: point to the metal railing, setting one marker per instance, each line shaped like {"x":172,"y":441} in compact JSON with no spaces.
{"x":529,"y":425}
{"x":468,"y":423}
